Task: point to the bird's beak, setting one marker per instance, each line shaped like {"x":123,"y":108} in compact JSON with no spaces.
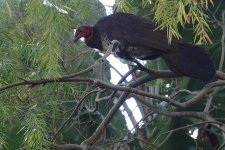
{"x":76,"y":39}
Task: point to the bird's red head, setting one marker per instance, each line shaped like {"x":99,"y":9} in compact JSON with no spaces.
{"x":83,"y":31}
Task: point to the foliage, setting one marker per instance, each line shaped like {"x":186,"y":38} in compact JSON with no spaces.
{"x":193,"y":21}
{"x":173,"y":14}
{"x":35,"y":136}
{"x":170,"y":14}
{"x":36,"y":43}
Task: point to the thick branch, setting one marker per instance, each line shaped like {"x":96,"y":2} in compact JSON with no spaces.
{"x":199,"y":115}
{"x":134,"y":83}
{"x":101,"y":128}
{"x":156,"y":75}
{"x":203,"y":92}
{"x":220,"y":75}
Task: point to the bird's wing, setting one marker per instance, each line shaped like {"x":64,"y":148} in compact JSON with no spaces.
{"x":140,"y":32}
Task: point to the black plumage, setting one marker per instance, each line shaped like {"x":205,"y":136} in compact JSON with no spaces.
{"x":139,"y":39}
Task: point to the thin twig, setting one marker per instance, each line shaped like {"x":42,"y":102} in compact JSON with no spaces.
{"x":72,"y":114}
{"x":70,"y":78}
{"x":188,"y":126}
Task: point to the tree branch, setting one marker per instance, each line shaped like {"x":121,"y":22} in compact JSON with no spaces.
{"x":101,"y":128}
{"x":73,"y":113}
{"x":222,"y":42}
{"x":68,"y":147}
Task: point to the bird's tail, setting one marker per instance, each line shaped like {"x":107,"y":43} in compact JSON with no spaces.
{"x":191,"y":61}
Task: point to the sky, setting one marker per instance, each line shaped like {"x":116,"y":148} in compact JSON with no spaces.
{"x":108,"y":5}
{"x":122,"y":68}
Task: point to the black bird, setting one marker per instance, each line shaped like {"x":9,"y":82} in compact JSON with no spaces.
{"x":138,"y":39}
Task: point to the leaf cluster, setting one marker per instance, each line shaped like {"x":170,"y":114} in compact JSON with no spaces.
{"x":36,"y":41}
{"x":171,"y":15}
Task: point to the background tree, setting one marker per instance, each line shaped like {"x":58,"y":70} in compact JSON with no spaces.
{"x":201,"y":22}
{"x":53,"y":92}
